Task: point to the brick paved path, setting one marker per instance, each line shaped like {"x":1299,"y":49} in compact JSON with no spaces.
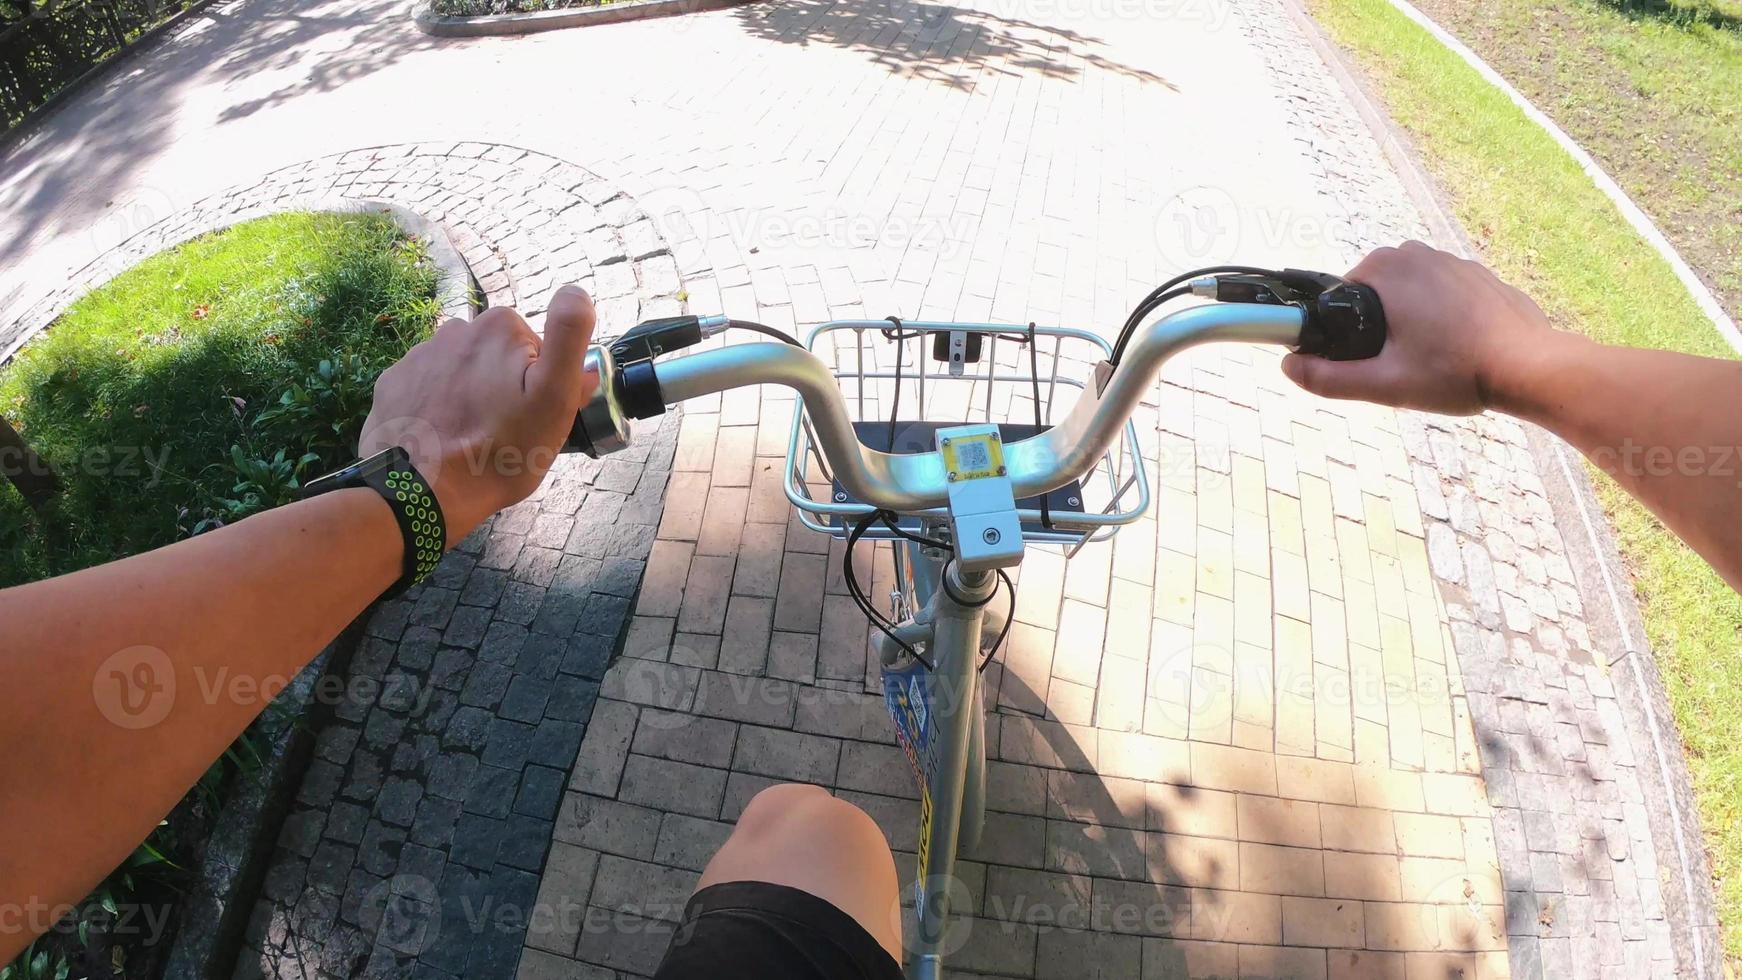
{"x":1339,"y":705}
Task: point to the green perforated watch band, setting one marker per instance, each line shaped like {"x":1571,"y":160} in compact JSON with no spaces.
{"x":390,"y":474}
{"x":429,"y":535}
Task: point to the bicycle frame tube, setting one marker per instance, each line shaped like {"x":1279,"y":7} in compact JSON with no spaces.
{"x":924,"y":593}
{"x":912,"y":482}
{"x":957,"y":721}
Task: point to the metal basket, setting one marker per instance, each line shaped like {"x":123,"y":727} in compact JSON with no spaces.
{"x":1000,"y":388}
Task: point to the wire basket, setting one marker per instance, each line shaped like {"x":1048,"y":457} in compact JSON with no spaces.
{"x":1000,"y":388}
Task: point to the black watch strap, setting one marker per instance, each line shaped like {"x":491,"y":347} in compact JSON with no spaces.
{"x":390,"y":474}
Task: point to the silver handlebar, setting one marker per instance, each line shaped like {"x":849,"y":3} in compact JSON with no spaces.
{"x":910,"y":482}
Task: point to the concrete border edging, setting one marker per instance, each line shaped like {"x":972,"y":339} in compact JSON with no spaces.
{"x":438,"y":25}
{"x":1641,"y":222}
{"x":1597,"y":556}
{"x":239,"y":850}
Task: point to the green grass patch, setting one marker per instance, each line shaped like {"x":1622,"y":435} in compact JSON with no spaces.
{"x":1649,"y":88}
{"x":207,"y":382}
{"x":1542,"y":224}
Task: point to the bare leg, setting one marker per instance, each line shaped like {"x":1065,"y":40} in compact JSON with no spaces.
{"x":802,"y":837}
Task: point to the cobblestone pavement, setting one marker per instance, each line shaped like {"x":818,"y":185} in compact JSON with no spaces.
{"x":1340,"y":706}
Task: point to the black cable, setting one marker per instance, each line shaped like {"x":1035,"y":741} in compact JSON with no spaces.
{"x":767,"y":331}
{"x":889,"y":518}
{"x":897,"y":334}
{"x":857,"y":593}
{"x":1156,"y":297}
{"x":944,"y":580}
{"x":1137,"y":316}
{"x":1034,"y":376}
{"x":1009,"y":618}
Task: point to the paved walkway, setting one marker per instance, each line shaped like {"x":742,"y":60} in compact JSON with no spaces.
{"x":1341,"y":707}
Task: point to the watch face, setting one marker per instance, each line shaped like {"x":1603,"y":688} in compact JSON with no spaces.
{"x":355,"y":473}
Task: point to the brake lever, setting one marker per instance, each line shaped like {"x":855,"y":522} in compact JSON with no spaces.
{"x":1344,"y":322}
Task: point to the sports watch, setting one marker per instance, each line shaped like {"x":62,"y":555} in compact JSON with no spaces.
{"x":390,"y":474}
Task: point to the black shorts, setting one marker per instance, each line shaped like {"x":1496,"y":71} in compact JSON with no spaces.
{"x":753,"y":930}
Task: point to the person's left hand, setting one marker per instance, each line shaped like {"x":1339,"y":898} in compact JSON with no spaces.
{"x":483,"y":406}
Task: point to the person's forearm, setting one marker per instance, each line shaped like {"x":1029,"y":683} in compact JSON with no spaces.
{"x":1666,"y":426}
{"x":120,"y":684}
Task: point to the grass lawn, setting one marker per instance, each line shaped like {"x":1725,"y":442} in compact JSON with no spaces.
{"x":1543,"y":226}
{"x":201,"y":385}
{"x":192,"y":390}
{"x":1651,"y":88}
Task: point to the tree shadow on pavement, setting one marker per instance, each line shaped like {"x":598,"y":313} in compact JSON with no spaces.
{"x":1132,"y":844}
{"x":941,"y":43}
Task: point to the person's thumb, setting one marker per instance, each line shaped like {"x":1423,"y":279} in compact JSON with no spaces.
{"x":568,"y":329}
{"x":1332,"y":379}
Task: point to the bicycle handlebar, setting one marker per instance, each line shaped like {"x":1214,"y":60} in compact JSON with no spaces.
{"x":909,"y":482}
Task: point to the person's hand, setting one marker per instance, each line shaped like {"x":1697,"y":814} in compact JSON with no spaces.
{"x":483,"y":406}
{"x":1452,"y":327}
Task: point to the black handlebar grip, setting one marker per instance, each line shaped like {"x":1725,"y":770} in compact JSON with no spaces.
{"x":1345,"y":323}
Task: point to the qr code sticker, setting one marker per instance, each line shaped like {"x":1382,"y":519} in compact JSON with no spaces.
{"x":974,"y":456}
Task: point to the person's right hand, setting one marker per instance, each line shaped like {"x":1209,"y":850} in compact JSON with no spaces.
{"x":483,"y":406}
{"x":1452,"y":326}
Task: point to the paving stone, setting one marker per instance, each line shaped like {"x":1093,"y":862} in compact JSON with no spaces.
{"x":525,"y":837}
{"x":378,"y":853}
{"x":599,"y":766}
{"x":541,"y":790}
{"x":502,"y":643}
{"x":330,"y":865}
{"x":786,"y":755}
{"x":688,"y":842}
{"x":608,"y":825}
{"x":508,"y":744}
{"x":468,"y":728}
{"x":345,"y":822}
{"x":673,"y":786}
{"x":435,"y":821}
{"x":485,"y":686}
{"x":492,"y":790}
{"x":477,"y":839}
{"x":397,"y":803}
{"x":647,"y":890}
{"x":525,"y":699}
{"x":685,"y":738}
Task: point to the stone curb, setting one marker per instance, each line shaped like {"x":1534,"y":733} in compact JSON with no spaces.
{"x":240,"y":847}
{"x":1632,"y":212}
{"x":457,"y":291}
{"x":552,"y":20}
